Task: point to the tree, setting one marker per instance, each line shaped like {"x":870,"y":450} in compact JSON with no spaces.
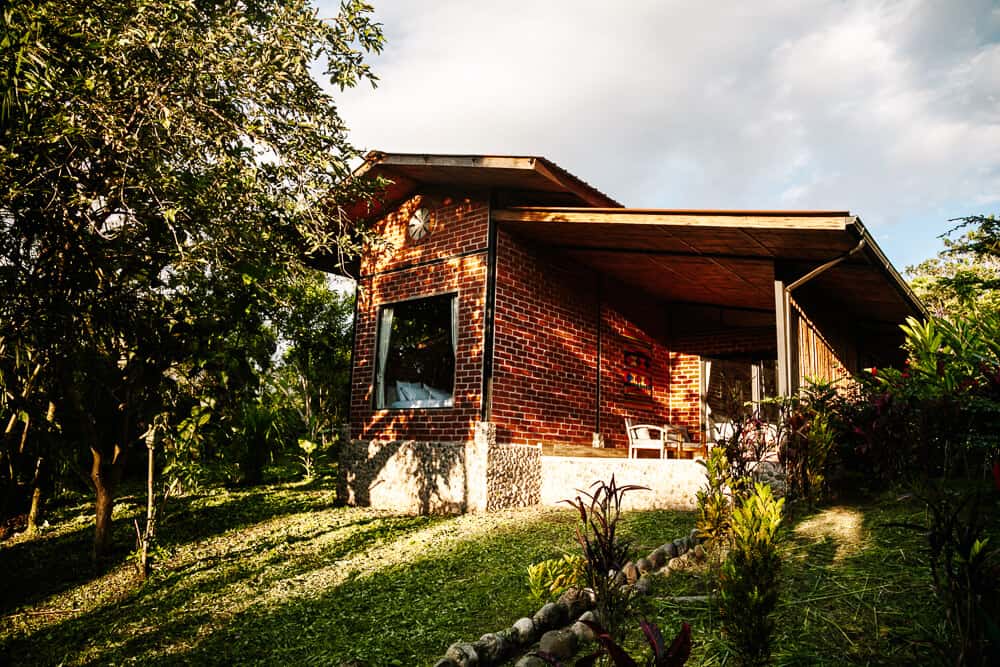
{"x":165,"y":165}
{"x":966,"y":274}
{"x":315,"y":368}
{"x":941,"y":412}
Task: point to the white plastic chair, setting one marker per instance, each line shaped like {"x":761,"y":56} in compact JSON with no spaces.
{"x":645,"y":436}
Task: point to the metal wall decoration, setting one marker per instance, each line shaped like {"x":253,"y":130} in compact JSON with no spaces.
{"x":637,"y":372}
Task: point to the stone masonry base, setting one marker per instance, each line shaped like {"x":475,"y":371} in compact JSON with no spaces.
{"x":446,"y":478}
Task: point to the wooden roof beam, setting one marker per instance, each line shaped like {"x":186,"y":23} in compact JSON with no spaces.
{"x":823,"y":220}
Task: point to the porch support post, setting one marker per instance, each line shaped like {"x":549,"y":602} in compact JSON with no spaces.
{"x":783,"y":317}
{"x":788,"y":320}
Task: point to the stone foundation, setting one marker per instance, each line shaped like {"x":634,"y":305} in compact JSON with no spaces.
{"x":412,"y":477}
{"x":405,"y":476}
{"x":513,"y":476}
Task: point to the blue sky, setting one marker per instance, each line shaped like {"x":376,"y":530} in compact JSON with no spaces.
{"x":888,"y":109}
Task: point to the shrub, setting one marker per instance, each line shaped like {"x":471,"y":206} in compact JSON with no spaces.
{"x":714,"y":504}
{"x":606,"y":552}
{"x":965,"y":570}
{"x":749,"y":582}
{"x":807,"y":440}
{"x":941,"y":414}
{"x":752,"y":439}
{"x":548,"y":579}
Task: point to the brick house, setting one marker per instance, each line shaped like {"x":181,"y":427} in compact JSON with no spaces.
{"x":516,"y":304}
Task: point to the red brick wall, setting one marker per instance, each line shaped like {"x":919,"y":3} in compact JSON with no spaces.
{"x":461,"y":222}
{"x":632,"y":321}
{"x":676,"y":364}
{"x":388,"y":276}
{"x":545,"y":359}
{"x":762,"y":340}
{"x":545,"y":356}
{"x":685,"y":392}
{"x":546,"y":337}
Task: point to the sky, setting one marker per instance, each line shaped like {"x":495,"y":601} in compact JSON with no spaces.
{"x":888,"y":109}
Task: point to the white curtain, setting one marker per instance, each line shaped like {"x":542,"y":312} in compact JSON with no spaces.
{"x":710,"y":434}
{"x":384,"y":334}
{"x":454,"y":327}
{"x":708,"y":380}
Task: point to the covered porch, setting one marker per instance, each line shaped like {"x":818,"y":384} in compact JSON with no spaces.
{"x":762,"y":300}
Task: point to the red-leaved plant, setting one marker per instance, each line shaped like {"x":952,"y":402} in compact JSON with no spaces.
{"x":606,"y":551}
{"x":662,"y":655}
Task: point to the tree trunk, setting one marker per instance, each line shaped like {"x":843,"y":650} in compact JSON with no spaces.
{"x":37,"y":496}
{"x":8,"y":491}
{"x":146,"y":537}
{"x":104,"y":475}
{"x":103,"y":506}
{"x":9,"y":454}
{"x":8,"y":485}
{"x":254,"y":468}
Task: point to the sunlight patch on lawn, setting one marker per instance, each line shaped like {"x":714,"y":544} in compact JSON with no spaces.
{"x":840,"y":525}
{"x":204,"y":585}
{"x":271,"y":587}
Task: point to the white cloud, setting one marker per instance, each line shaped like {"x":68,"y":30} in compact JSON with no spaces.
{"x":889,"y":109}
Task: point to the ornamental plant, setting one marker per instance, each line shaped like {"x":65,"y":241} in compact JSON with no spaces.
{"x":749,"y":583}
{"x":661,"y":655}
{"x":749,"y":440}
{"x":940,"y":414}
{"x":548,"y":579}
{"x":714,"y":503}
{"x":605,"y":550}
{"x":808,"y":430}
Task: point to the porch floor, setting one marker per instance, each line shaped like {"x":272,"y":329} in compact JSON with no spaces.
{"x":583,"y":451}
{"x":563,"y":449}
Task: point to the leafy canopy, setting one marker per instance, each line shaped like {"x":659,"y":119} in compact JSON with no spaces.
{"x":165,"y":165}
{"x":965,"y":275}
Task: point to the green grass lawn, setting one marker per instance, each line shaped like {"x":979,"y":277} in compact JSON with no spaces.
{"x":279,"y":574}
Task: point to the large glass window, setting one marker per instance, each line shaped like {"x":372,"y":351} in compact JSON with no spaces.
{"x":735,"y":387}
{"x":417,"y":346}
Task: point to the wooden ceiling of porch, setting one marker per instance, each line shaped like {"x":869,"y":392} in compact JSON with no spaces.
{"x":724,"y":258}
{"x":688,"y":279}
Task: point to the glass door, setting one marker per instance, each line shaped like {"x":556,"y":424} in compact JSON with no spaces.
{"x":732,"y":387}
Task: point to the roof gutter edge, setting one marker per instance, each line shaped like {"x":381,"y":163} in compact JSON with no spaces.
{"x":858,"y":229}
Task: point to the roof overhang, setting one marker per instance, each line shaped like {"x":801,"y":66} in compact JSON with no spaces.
{"x":510,"y":179}
{"x":727,"y":258}
{"x":541,"y":179}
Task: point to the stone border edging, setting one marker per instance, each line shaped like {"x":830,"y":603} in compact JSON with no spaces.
{"x":555,"y":628}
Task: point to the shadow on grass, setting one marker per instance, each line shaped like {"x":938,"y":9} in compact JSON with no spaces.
{"x":190,"y":519}
{"x":403,"y":615}
{"x":36,"y":569}
{"x":247,"y":606}
{"x":171,"y":608}
{"x":53,"y":564}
